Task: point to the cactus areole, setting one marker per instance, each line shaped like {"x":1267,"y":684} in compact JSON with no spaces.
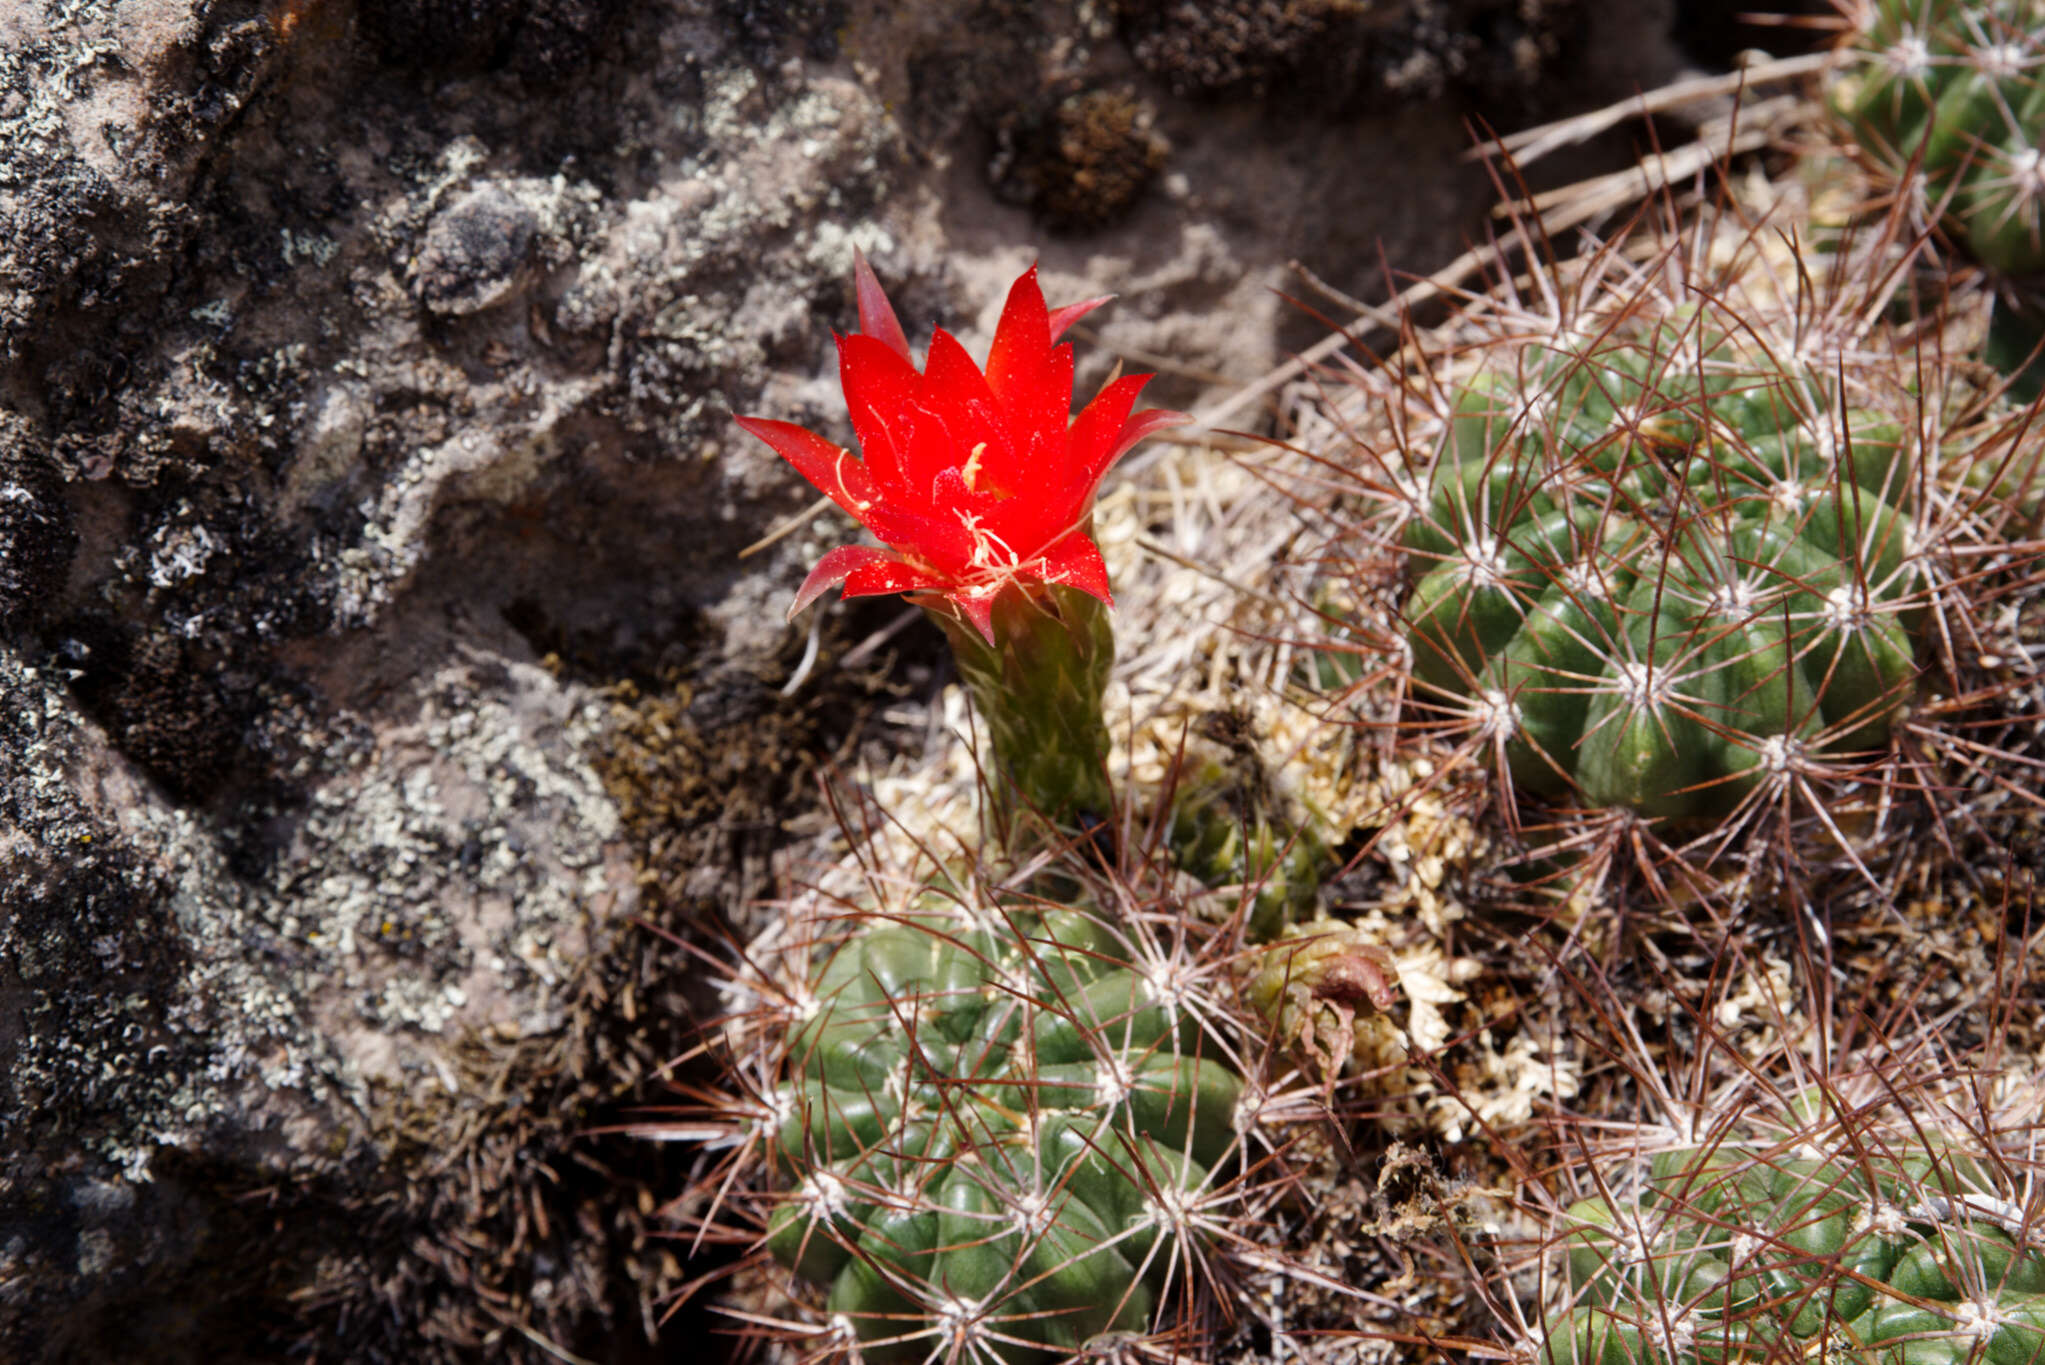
{"x":1657,"y":569}
{"x":991,"y":1132}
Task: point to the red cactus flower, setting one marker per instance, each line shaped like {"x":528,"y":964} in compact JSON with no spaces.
{"x":974,"y":479}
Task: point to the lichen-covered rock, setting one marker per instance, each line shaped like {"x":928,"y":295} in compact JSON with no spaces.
{"x":546,"y":41}
{"x":135,"y":1026}
{"x":457,"y":861}
{"x":105,"y":114}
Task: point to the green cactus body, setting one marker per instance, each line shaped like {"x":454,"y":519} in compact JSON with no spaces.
{"x":1964,"y":85}
{"x":1657,"y":568}
{"x":987,"y":1129}
{"x":1038,"y":689}
{"x":1735,"y":1254}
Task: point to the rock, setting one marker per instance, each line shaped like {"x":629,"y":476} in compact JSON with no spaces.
{"x":177,"y":1034}
{"x":1338,"y":57}
{"x":547,"y":40}
{"x":477,"y":253}
{"x":38,"y":534}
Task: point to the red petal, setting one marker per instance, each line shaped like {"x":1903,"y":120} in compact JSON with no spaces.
{"x":1039,"y":411}
{"x":938,"y":538}
{"x":1076,"y":562}
{"x":835,"y":471}
{"x":876,"y":314}
{"x":1142,"y":427}
{"x":1096,"y":430}
{"x":1022,"y":339}
{"x":1138,"y":428}
{"x":880,"y":393}
{"x":977,"y":607}
{"x":956,"y":413}
{"x":949,"y":493}
{"x":833,"y":569}
{"x":878,"y":577}
{"x":1061,"y":318}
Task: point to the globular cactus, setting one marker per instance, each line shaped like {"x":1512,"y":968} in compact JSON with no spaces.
{"x":1698,"y":549}
{"x":997,"y":1134}
{"x":1959,"y":88}
{"x":1900,"y":1253}
{"x":1662,"y":561}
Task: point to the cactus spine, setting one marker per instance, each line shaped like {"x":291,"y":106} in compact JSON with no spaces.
{"x":1660,"y":563}
{"x":1904,"y":1256}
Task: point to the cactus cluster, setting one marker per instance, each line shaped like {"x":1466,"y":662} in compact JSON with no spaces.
{"x":999,"y":1129}
{"x":1900,"y":1254}
{"x":1947,"y":99}
{"x":1660,"y":561}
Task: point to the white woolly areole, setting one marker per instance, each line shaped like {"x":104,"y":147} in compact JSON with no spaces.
{"x":1031,"y":1215}
{"x":823,"y":1192}
{"x":1171,"y":983}
{"x":1848,"y":607}
{"x":1681,"y":1331}
{"x":1484,"y":562}
{"x":1641,"y":687}
{"x":1909,"y":55}
{"x":955,"y":1318}
{"x":1780,"y":753}
{"x":1976,"y":1318}
{"x":1113,"y":1084}
{"x":2000,"y":61}
{"x":1579,"y":579}
{"x":1497,"y":715}
{"x":1167,"y":1208}
{"x":1733,"y":601}
{"x":2027,"y":170}
{"x":1249,"y":1110}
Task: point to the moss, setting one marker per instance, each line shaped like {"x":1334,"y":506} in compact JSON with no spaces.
{"x":1079,"y":162}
